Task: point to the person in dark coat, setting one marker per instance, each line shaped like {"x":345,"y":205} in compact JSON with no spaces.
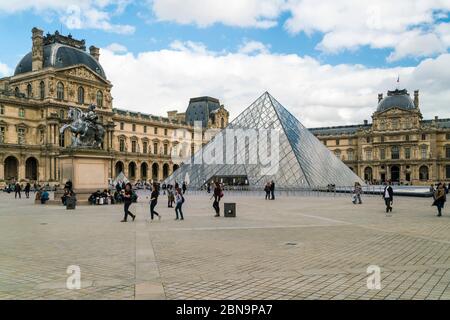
{"x":184,"y":187}
{"x":154,"y":202}
{"x":127,"y":201}
{"x":440,"y":197}
{"x":217,"y":195}
{"x":27,"y":190}
{"x":17,"y":190}
{"x":388,"y":196}
{"x":272,"y":190}
{"x":68,"y":186}
{"x":267,"y":190}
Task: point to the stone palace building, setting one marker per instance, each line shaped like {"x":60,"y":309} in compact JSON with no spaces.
{"x":398,"y":146}
{"x":57,"y":74}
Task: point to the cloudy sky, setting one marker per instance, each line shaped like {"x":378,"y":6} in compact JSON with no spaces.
{"x":324,"y":60}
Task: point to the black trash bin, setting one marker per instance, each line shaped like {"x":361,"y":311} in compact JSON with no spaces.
{"x":229,"y":210}
{"x":71,"y":203}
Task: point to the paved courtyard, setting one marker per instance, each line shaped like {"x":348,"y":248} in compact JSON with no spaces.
{"x":290,"y":248}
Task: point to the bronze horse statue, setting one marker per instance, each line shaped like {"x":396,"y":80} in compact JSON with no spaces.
{"x":85,"y":133}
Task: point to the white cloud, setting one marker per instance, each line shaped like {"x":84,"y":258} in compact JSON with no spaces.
{"x":241,"y":13}
{"x":116,"y":48}
{"x":254,"y":47}
{"x":5,"y":70}
{"x":75,"y":14}
{"x":406,"y":26}
{"x":159,"y":81}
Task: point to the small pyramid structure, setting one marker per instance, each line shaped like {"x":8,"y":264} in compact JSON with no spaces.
{"x":303,"y":161}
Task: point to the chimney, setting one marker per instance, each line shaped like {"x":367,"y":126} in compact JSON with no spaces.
{"x":436,"y":118}
{"x":380,"y":97}
{"x":366,"y":122}
{"x":416,"y":98}
{"x":37,"y":51}
{"x":95,"y":52}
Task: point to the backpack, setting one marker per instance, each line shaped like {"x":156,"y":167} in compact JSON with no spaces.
{"x":134,"y":197}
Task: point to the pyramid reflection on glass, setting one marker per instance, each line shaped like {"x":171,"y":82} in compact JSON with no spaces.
{"x":304,"y":162}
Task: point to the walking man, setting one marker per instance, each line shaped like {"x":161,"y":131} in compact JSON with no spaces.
{"x":439,"y":198}
{"x":127,"y":201}
{"x":27,"y":190}
{"x":17,"y":190}
{"x":217,"y":194}
{"x":388,"y":196}
{"x":154,"y":202}
{"x":184,"y":187}
{"x":179,"y":199}
{"x":272,"y":190}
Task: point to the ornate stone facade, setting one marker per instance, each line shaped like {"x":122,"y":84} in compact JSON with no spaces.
{"x":34,"y":103}
{"x":398,"y":145}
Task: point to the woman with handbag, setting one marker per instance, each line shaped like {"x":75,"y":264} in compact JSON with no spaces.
{"x":439,"y":198}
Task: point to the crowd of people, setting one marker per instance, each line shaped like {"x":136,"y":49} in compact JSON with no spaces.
{"x":175,"y":194}
{"x":125,"y":193}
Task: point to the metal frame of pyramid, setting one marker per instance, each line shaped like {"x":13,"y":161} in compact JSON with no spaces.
{"x":304,"y":162}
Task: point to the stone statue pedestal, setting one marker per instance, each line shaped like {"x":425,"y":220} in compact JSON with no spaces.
{"x":88,"y":169}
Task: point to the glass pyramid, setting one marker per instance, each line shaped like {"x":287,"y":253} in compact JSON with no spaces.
{"x":302,"y":161}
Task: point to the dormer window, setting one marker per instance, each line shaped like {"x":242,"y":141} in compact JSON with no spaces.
{"x":29,"y":91}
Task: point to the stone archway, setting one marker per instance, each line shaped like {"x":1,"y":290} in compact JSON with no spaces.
{"x":119,"y":167}
{"x":144,"y":171}
{"x":31,"y":169}
{"x":165,"y":170}
{"x":368,"y":174}
{"x":395,"y":173}
{"x":155,"y":172}
{"x":11,"y":168}
{"x":132,"y":170}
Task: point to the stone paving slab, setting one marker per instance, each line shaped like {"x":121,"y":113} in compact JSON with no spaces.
{"x":290,"y":248}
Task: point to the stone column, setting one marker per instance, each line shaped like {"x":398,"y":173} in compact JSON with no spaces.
{"x":160,"y":172}
{"x":21,"y":169}
{"x":138,"y":170}
{"x":2,"y":168}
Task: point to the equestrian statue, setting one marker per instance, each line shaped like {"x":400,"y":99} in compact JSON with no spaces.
{"x":86,"y":132}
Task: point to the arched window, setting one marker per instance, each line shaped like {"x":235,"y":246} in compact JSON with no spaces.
{"x":16,"y":91}
{"x":99,"y":99}
{"x":423,"y":173}
{"x":29,"y":90}
{"x":60,"y":91}
{"x":368,"y":174}
{"x":80,"y":95}
{"x":42,"y":90}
